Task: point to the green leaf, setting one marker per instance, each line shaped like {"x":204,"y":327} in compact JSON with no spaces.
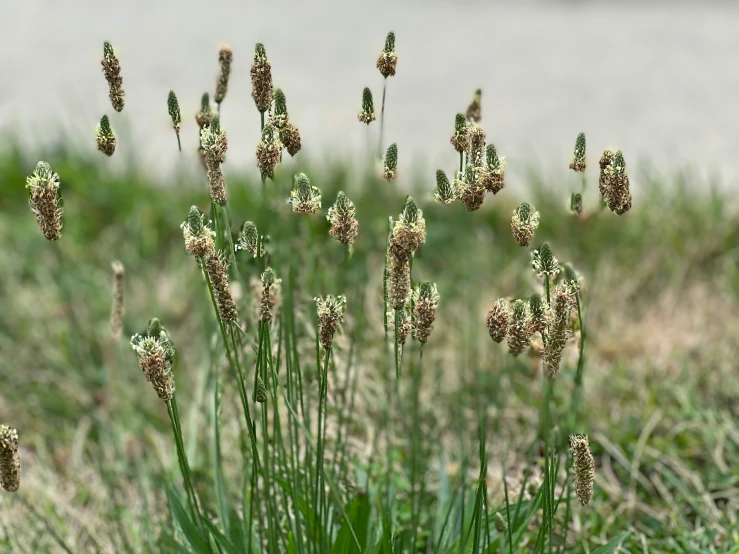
{"x":220,"y":538}
{"x":196,"y":541}
{"x":359,"y":514}
{"x":611,"y":545}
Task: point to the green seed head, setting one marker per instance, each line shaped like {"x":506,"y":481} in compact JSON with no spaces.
{"x":108,"y":50}
{"x":105,"y":125}
{"x":460,"y":123}
{"x":259,"y":51}
{"x":280,"y":103}
{"x":445,"y":192}
{"x":491,"y":157}
{"x":205,"y":102}
{"x":249,"y":237}
{"x":195,"y":220}
{"x":304,"y":197}
{"x":215,"y":124}
{"x":367,"y":115}
{"x":154,"y":328}
{"x":391,"y":162}
{"x":174,"y":109}
{"x":390,"y":43}
{"x":411,"y":212}
{"x":544,"y":262}
{"x":500,"y":523}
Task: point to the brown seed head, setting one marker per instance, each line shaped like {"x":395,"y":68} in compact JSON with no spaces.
{"x":104,"y":137}
{"x":205,"y":115}
{"x":219,"y":281}
{"x":559,"y":327}
{"x":225,"y":57}
{"x":112,"y":72}
{"x":45,"y":199}
{"x":304,"y":198}
{"x":605,"y":162}
{"x":290,"y":138}
{"x":330,"y":315}
{"x":343,"y":219}
{"x":399,"y":282}
{"x":269,"y":288}
{"x":470,"y":188}
{"x":10,"y":462}
{"x":474,"y":110}
{"x":261,"y":79}
{"x":199,"y":237}
{"x":617,"y":194}
{"x":409,"y":231}
{"x":475,"y":145}
{"x":155,"y":352}
{"x":493,"y":175}
{"x":584,"y":467}
{"x":460,"y":139}
{"x":519,"y":331}
{"x":268,"y":151}
{"x":388,"y":59}
{"x":425,"y":301}
{"x":524,"y":222}
{"x":498,"y":320}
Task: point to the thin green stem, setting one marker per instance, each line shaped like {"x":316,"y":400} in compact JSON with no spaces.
{"x":179,"y":143}
{"x":382,"y":119}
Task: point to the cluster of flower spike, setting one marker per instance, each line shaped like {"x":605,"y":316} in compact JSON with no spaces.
{"x":614,"y":182}
{"x":112,"y":72}
{"x":155,"y":352}
{"x":10,"y":463}
{"x":343,"y":220}
{"x":261,"y":79}
{"x":330,"y":315}
{"x":583,"y":466}
{"x":484,"y":171}
{"x":214,"y":143}
{"x":45,"y":198}
{"x":279,"y":119}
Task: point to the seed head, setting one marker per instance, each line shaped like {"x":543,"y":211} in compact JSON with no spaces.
{"x":404,"y":322}
{"x":279,"y":118}
{"x":469,"y":185}
{"x":617,"y":194}
{"x":524,"y":222}
{"x":605,"y":162}
{"x":500,"y":523}
{"x":155,"y":352}
{"x":474,"y":110}
{"x":214,"y":143}
{"x":519,"y":331}
{"x":558,"y":329}
{"x":204,"y":116}
{"x":539,"y":311}
{"x":492,"y":177}
{"x":199,"y":238}
{"x":219,"y":281}
{"x":544,"y":262}
{"x":268,"y":151}
{"x":225,"y":57}
{"x":367,"y":113}
{"x":105,"y":137}
{"x":498,"y":320}
{"x":173,"y":107}
{"x":330,"y":315}
{"x":445,"y":192}
{"x":249,"y":238}
{"x":260,"y":392}
{"x":391,"y":162}
{"x":261,"y":79}
{"x":584,"y":466}
{"x":578,"y":159}
{"x":112,"y":72}
{"x":45,"y":198}
{"x":269,"y":284}
{"x":10,"y":462}
{"x":571,"y":278}
{"x":409,"y":232}
{"x":576,"y":203}
{"x":342,"y":216}
{"x":460,"y":139}
{"x":425,"y":301}
{"x":399,"y":281}
{"x":475,"y":145}
{"x":117,"y":310}
{"x":304,"y":198}
{"x":388,"y":59}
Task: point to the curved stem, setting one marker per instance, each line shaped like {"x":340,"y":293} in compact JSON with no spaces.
{"x":382,"y":118}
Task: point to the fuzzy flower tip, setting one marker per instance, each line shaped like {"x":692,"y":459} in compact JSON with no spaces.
{"x":205,"y":115}
{"x":388,"y":60}
{"x":409,"y":231}
{"x":199,"y":238}
{"x":445,"y":192}
{"x":470,"y":189}
{"x":544,"y":263}
{"x":498,"y":320}
{"x":173,"y":107}
{"x":391,"y":162}
{"x":261,"y":79}
{"x":425,"y":301}
{"x":269,"y":285}
{"x":559,"y":327}
{"x":155,"y":352}
{"x":616,"y":186}
{"x":249,"y":239}
{"x":112,"y":72}
{"x":524,"y":222}
{"x":268,"y":151}
{"x":225,"y":57}
{"x":519,"y":331}
{"x":367,"y":113}
{"x":10,"y":462}
{"x":460,"y":138}
{"x":330,"y":315}
{"x":474,"y":110}
{"x":493,"y":174}
{"x":584,"y":467}
{"x":279,"y":119}
{"x":304,"y":198}
{"x":117,"y":310}
{"x":45,"y":198}
{"x":104,"y":136}
{"x":343,"y":219}
{"x":578,"y":158}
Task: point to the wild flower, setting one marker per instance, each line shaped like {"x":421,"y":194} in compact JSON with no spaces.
{"x":112,"y":72}
{"x":524,"y":222}
{"x":499,"y":319}
{"x":261,"y":79}
{"x":539,"y":311}
{"x":470,"y":190}
{"x":493,"y":175}
{"x":409,"y":231}
{"x":605,"y":161}
{"x":425,"y":302}
{"x":474,"y":110}
{"x":45,"y":198}
{"x":10,"y":462}
{"x":475,"y":145}
{"x":268,"y":151}
{"x":390,"y":162}
{"x":399,"y":281}
{"x":225,"y":57}
{"x":578,"y":158}
{"x":205,"y":115}
{"x":117,"y":310}
{"x":519,"y":329}
{"x":199,"y":237}
{"x":388,"y":60}
{"x":218,"y":277}
{"x":558,"y":328}
{"x":617,"y":194}
{"x":214,"y":143}
{"x":279,"y":119}
{"x":155,"y":352}
{"x":445,"y":192}
{"x":330,"y":314}
{"x":104,"y":136}
{"x":544,"y":263}
{"x":304,"y":198}
{"x":249,"y":238}
{"x":584,"y":467}
{"x":173,"y":107}
{"x":367,"y":113}
{"x":269,"y":286}
{"x":460,"y":139}
{"x":343,"y":220}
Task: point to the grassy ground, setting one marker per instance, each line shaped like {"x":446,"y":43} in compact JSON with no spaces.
{"x":661,"y":389}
